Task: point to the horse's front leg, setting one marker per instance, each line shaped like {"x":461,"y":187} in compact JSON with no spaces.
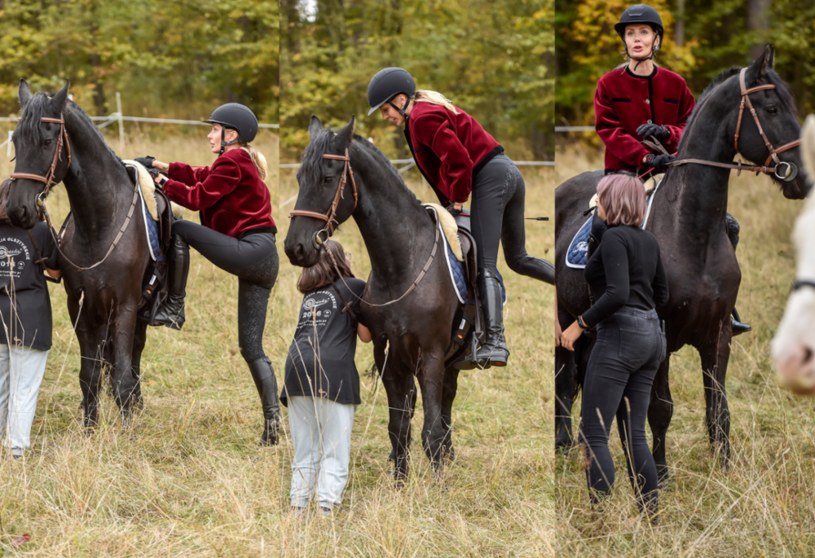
{"x":139,"y":340}
{"x":660,"y":412}
{"x":401,"y":390}
{"x":717,"y":412}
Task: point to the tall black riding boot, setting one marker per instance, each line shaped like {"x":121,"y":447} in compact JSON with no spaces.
{"x":266,"y":383}
{"x":493,"y":352}
{"x":171,"y":313}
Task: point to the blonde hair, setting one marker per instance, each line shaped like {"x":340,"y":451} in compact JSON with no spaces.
{"x":435,"y":98}
{"x":259,"y":159}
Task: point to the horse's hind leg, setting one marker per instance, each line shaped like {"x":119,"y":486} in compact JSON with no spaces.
{"x":122,"y":379}
{"x":660,"y":412}
{"x":447,"y":398}
{"x":717,"y":412}
{"x":90,"y":378}
{"x":139,"y":341}
{"x":401,"y":390}
{"x":565,"y":389}
{"x":431,"y":382}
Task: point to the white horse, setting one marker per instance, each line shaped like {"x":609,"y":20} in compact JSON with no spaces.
{"x":793,"y":347}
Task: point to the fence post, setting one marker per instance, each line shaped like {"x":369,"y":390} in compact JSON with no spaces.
{"x":121,"y":121}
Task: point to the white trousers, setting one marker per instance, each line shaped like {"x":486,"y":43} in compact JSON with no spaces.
{"x":21,"y":372}
{"x":321,"y":432}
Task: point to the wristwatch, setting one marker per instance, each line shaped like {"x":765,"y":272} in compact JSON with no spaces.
{"x":582,"y":323}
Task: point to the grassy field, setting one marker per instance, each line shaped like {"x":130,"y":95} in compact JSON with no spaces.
{"x":761,"y":507}
{"x":189,"y":479}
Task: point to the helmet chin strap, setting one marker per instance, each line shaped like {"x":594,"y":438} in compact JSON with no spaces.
{"x":654,"y":49}
{"x":400,"y":110}
{"x":225,"y":143}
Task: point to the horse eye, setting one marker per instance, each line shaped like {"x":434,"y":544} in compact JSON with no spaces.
{"x":772,"y":109}
{"x":328,"y":179}
{"x":47,"y":141}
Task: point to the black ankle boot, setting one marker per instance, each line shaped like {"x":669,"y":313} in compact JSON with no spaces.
{"x":493,"y":352}
{"x":266,"y":384}
{"x":171,"y":312}
{"x":736,"y":325}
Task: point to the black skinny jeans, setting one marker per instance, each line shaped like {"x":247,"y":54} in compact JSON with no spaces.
{"x":253,"y":259}
{"x":629,"y":348}
{"x":498,"y":215}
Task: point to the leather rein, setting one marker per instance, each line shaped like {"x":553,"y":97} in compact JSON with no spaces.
{"x":50,"y":181}
{"x":330,"y":219}
{"x":782,"y":170}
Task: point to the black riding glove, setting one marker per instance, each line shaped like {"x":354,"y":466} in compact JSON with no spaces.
{"x":658,"y":162}
{"x":147,"y":161}
{"x":650,"y":129}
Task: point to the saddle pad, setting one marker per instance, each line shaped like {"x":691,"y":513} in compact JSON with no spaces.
{"x":146,"y":187}
{"x":456,"y":269}
{"x":151,"y":228}
{"x":578,"y":253}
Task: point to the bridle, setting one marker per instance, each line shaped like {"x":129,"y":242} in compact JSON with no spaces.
{"x":48,"y":179}
{"x":782,"y":170}
{"x":330,"y":218}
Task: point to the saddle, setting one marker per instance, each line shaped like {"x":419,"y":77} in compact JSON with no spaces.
{"x":159,"y":210}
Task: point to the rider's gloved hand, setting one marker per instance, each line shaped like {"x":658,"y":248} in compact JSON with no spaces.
{"x":657,"y":162}
{"x":650,"y":129}
{"x":147,"y":161}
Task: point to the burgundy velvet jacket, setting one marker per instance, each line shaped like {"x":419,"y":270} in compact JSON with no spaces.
{"x":229,"y":194}
{"x":448,"y":148}
{"x":623,"y":101}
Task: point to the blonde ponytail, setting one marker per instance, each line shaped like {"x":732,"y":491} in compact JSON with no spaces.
{"x":435,"y":98}
{"x":259,"y":160}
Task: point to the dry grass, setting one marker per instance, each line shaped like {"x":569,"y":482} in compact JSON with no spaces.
{"x":189,"y":479}
{"x":763,"y":505}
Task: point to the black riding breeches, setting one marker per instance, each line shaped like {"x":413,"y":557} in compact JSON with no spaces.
{"x":498,"y":215}
{"x":254,"y":260}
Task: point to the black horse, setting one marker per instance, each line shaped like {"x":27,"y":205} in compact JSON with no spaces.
{"x":409,"y":303}
{"x":688,"y":220}
{"x":103,"y":250}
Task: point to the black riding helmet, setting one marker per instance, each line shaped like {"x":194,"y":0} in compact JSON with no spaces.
{"x":387,"y":84}
{"x":237,"y":117}
{"x":640,"y":13}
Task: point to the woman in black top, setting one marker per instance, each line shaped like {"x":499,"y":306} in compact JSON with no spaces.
{"x":627,"y":281}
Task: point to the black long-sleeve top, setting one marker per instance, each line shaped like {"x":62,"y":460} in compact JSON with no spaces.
{"x":624,"y":270}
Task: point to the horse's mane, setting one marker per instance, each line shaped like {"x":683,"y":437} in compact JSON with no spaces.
{"x":384,"y":164}
{"x":31,"y":131}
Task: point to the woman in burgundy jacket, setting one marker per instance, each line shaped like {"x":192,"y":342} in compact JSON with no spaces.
{"x":237,"y":234}
{"x":459,"y":159}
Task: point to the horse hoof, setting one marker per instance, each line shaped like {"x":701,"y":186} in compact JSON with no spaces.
{"x":271,"y":433}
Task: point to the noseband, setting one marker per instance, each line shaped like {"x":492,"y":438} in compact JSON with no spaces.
{"x":782,"y":170}
{"x":48,"y":179}
{"x":330,"y":218}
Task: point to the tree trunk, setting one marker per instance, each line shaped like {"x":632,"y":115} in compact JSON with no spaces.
{"x":758,"y":22}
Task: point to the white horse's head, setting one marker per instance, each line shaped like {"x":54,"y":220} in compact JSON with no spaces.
{"x":793,"y":347}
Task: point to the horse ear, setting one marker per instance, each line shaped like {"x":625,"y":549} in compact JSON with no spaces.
{"x":24,"y":93}
{"x":61,"y":97}
{"x":314,"y":127}
{"x":762,"y":64}
{"x":808,"y":144}
{"x":345,"y":135}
